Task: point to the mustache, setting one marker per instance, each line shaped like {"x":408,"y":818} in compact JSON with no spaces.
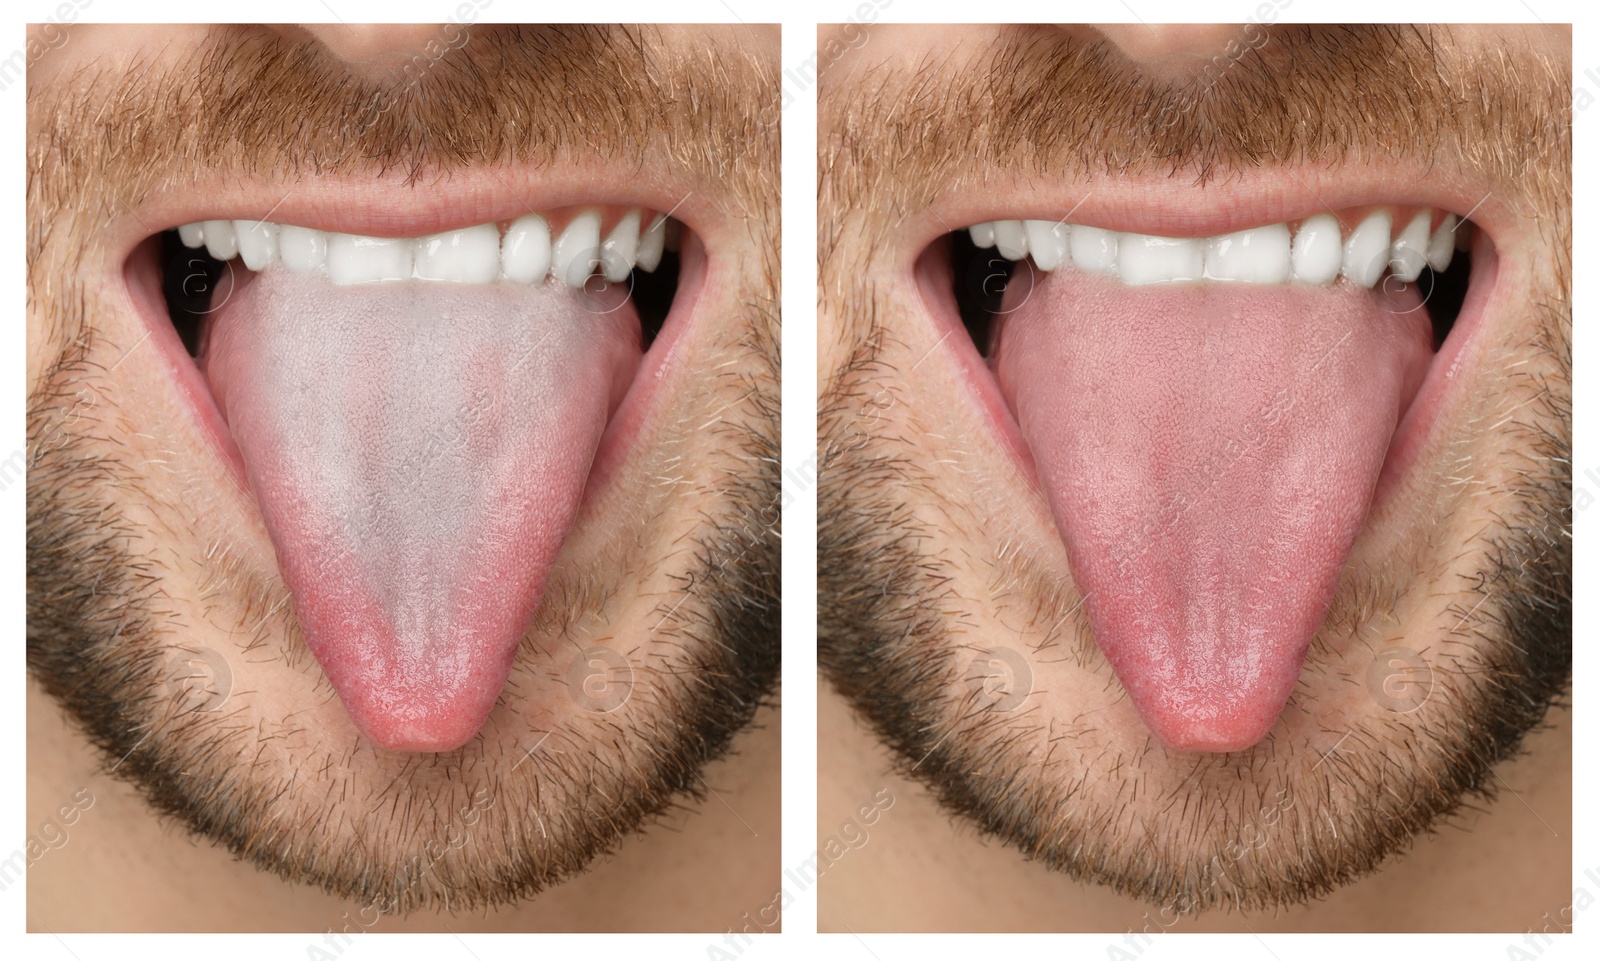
{"x":1052,"y":104}
{"x":254,"y":103}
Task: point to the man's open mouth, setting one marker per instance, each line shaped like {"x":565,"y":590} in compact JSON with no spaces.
{"x":1213,"y":417}
{"x":419,"y":417}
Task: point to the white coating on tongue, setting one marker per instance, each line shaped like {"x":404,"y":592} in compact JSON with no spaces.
{"x":418,"y":452}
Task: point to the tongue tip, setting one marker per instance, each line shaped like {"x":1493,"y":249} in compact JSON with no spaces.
{"x":1213,"y":734}
{"x":421,"y":739}
{"x":422,"y":712}
{"x":1232,"y":714}
{"x":426,"y":730}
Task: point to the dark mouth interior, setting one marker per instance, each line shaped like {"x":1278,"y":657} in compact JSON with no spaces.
{"x":980,"y":277}
{"x":191,"y":279}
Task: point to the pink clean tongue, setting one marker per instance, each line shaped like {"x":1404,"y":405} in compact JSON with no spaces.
{"x":418,"y":452}
{"x":1210,"y":452}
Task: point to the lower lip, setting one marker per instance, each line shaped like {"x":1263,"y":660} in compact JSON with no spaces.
{"x":142,"y":286}
{"x":939,"y":302}
{"x":1449,"y":373}
{"x":657,"y":368}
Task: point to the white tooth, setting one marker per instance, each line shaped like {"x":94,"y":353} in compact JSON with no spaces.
{"x":302,"y":248}
{"x":220,"y":240}
{"x":1047,"y":240}
{"x":577,"y":250}
{"x":1256,"y":256}
{"x":525,"y":252}
{"x":1143,"y":259}
{"x":1093,"y":249}
{"x":1408,"y":254}
{"x":1366,"y":252}
{"x":982,"y":235}
{"x":258,"y":242}
{"x":1318,"y":252}
{"x":467,"y":256}
{"x":354,"y":259}
{"x":193,"y":235}
{"x":651,"y":243}
{"x":1010,"y":239}
{"x":1442,"y":248}
{"x":621,"y":247}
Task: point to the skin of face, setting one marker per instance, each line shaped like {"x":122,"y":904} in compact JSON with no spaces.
{"x":1056,"y":810}
{"x":257,"y":807}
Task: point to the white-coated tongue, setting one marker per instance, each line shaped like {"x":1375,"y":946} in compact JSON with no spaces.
{"x":418,"y":452}
{"x":1210,"y":452}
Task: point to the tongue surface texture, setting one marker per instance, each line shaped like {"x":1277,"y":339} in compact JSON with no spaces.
{"x":1210,"y":453}
{"x":418,"y":452}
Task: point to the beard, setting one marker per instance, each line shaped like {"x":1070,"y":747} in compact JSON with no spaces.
{"x":169,"y":646}
{"x":931,"y":586}
{"x":1256,"y":829}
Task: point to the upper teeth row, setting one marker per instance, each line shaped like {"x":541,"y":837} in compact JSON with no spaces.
{"x":472,"y":255}
{"x":1316,"y":253}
